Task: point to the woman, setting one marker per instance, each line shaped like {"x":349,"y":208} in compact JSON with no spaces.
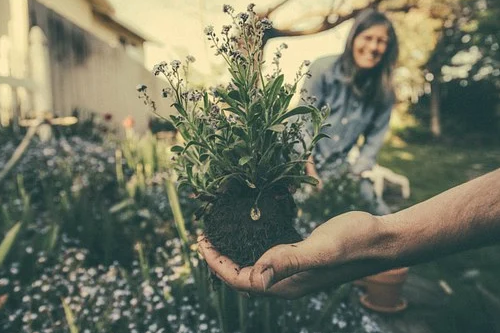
{"x":357,"y":87}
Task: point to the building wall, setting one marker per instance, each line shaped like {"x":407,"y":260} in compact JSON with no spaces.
{"x":80,"y":13}
{"x":4,"y":17}
{"x":89,"y":75}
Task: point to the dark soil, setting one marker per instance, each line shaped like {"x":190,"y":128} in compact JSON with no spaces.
{"x":232,"y":231}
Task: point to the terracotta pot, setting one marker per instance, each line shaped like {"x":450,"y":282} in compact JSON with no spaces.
{"x":383,"y":291}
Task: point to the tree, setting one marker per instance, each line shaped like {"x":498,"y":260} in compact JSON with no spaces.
{"x":326,"y":16}
{"x":467,"y":50}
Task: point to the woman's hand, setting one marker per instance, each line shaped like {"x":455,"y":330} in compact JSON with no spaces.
{"x":292,"y":270}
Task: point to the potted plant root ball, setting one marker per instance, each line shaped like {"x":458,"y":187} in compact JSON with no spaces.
{"x":244,"y":151}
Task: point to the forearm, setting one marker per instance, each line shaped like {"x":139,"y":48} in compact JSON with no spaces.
{"x":357,"y":244}
{"x":461,"y":218}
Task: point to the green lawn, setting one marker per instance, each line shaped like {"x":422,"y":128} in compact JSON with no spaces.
{"x":434,"y":167}
{"x":474,"y":276}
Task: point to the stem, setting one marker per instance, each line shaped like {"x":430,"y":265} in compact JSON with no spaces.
{"x":180,"y":225}
{"x":143,"y":262}
{"x":267,"y":316}
{"x":221,"y":309}
{"x":18,"y":153}
{"x":242,"y":312}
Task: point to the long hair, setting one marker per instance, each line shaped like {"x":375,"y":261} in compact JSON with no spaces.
{"x":374,"y":85}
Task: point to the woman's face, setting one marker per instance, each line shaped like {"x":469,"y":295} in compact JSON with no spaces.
{"x":369,"y":46}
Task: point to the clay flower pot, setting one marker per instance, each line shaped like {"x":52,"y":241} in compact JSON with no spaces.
{"x":383,"y":291}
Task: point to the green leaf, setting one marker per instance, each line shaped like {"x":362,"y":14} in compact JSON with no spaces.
{"x":235,"y":105}
{"x":217,"y":136}
{"x":285,"y":101}
{"x":308,"y":179}
{"x":236,"y":111}
{"x":70,"y":318}
{"x":189,"y":172}
{"x":274,"y":87}
{"x":176,"y":149}
{"x":206,"y":101}
{"x":277,"y":128}
{"x":234,"y":94}
{"x":121,"y":205}
{"x":253,"y":81}
{"x":221,"y":180}
{"x":299,"y":178}
{"x":319,"y":137}
{"x":180,"y":109}
{"x":286,"y":166}
{"x":194,"y":143}
{"x":203,"y":157}
{"x":302,"y":109}
{"x":240,"y":132}
{"x":250,"y":184}
{"x":8,"y":240}
{"x":54,"y":235}
{"x":255,"y":109}
{"x":244,"y":160}
{"x":204,"y":167}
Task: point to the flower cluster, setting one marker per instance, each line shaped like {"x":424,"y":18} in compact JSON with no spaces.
{"x":103,"y":298}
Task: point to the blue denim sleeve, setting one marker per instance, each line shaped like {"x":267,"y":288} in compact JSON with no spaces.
{"x":374,"y":139}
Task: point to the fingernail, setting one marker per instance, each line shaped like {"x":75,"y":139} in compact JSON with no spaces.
{"x":267,"y":278}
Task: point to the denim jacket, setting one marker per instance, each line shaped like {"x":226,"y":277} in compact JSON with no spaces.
{"x":349,"y":117}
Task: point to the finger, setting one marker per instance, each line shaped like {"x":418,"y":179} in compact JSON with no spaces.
{"x":224,"y":268}
{"x":303,"y":283}
{"x":202,"y":242}
{"x":278,"y":263}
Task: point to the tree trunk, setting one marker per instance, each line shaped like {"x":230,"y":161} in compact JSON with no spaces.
{"x":435,"y":109}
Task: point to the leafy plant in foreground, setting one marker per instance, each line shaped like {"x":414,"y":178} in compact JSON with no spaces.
{"x":244,"y":150}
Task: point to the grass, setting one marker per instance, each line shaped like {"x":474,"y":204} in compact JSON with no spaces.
{"x":472,"y":275}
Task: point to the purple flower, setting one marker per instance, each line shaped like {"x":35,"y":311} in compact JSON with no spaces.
{"x":141,"y":88}
{"x":175,"y":64}
{"x":227,"y":9}
{"x":209,"y":30}
{"x":266,"y":23}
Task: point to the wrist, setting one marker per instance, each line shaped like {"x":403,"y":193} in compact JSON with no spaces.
{"x":374,"y":244}
{"x":389,"y":242}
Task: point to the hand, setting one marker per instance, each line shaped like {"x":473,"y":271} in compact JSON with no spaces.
{"x":326,"y":258}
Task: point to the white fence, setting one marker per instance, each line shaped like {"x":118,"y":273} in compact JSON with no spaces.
{"x":29,"y":96}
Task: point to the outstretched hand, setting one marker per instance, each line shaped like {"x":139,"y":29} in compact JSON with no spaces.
{"x":358,"y":244}
{"x":293,"y":270}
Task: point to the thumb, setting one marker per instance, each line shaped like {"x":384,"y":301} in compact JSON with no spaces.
{"x":278,"y":263}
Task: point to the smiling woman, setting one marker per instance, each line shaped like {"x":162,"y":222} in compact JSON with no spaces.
{"x":357,"y":87}
{"x":369,"y":46}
